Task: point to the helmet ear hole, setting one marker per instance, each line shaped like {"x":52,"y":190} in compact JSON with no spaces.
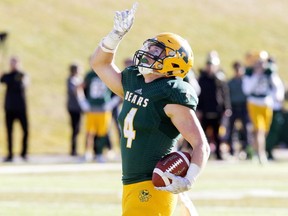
{"x":175,"y":65}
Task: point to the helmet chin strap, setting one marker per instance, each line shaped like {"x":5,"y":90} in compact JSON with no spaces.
{"x":145,"y":70}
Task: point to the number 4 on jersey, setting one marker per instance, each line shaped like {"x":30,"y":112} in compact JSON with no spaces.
{"x":128,"y":130}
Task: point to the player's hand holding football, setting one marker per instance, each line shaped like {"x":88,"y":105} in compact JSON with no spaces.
{"x":180,"y":184}
{"x":123,"y":21}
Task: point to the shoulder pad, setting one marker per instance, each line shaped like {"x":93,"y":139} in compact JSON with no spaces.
{"x":183,"y":93}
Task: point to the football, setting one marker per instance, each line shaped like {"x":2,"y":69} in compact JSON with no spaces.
{"x":176,"y":163}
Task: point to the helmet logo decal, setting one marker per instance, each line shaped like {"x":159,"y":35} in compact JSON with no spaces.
{"x":144,"y":60}
{"x":183,"y":53}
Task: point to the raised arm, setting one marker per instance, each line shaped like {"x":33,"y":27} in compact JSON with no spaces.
{"x":102,"y":63}
{"x":102,"y":60}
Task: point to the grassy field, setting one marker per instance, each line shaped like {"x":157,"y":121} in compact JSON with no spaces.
{"x":48,"y":35}
{"x":231,"y":189}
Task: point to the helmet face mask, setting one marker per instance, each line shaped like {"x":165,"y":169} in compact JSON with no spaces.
{"x":150,"y":56}
{"x":167,"y":54}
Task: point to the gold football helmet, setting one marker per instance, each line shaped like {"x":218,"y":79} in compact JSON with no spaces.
{"x":251,"y":58}
{"x":167,"y":54}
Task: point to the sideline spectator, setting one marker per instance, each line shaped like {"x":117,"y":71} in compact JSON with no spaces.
{"x":98,"y":117}
{"x":239,"y":107}
{"x":214,"y":100}
{"x":15,"y":105}
{"x":274,"y":135}
{"x":259,"y":83}
{"x":190,"y":78}
{"x":74,"y":83}
{"x":128,"y":62}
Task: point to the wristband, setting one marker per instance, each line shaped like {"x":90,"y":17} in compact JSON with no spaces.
{"x":111,"y":41}
{"x":193,"y":172}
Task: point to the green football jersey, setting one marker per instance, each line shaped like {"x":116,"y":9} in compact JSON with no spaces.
{"x":97,"y":93}
{"x":147,"y":134}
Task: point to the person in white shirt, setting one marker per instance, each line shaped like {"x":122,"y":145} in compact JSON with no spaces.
{"x":260,"y":82}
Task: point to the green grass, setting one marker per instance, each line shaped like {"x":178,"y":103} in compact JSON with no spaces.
{"x":230,"y":189}
{"x":48,"y":35}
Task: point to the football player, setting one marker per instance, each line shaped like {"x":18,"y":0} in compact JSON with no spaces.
{"x":261,"y":83}
{"x":157,"y":106}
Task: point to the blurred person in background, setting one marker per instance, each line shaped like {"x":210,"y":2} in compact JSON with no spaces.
{"x":74,"y":83}
{"x":99,"y":116}
{"x":276,"y":129}
{"x":214,"y":100}
{"x":239,"y":109}
{"x":191,"y":78}
{"x":260,"y":83}
{"x":15,"y":106}
{"x":128,"y":62}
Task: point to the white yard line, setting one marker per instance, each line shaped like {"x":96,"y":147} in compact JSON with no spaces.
{"x":236,"y":195}
{"x":51,"y":168}
{"x":61,"y":165}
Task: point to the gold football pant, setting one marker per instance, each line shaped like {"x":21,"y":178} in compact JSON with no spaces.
{"x":143,"y":199}
{"x":98,"y":123}
{"x":260,"y":116}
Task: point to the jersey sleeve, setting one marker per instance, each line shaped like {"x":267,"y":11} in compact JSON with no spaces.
{"x":128,"y":75}
{"x":183,"y":93}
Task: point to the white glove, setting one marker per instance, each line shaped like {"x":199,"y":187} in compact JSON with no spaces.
{"x":179,"y":184}
{"x":123,"y":21}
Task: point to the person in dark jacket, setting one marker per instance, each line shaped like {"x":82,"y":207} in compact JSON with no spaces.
{"x":74,"y":83}
{"x":214,"y":100}
{"x":15,"y":106}
{"x":239,"y":107}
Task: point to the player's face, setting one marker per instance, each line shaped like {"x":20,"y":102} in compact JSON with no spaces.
{"x":150,"y":56}
{"x":211,"y":68}
{"x":154,"y":52}
{"x":239,"y":70}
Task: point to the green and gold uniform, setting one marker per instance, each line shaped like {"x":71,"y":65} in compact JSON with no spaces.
{"x":98,"y":119}
{"x":147,"y":133}
{"x":97,"y":93}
